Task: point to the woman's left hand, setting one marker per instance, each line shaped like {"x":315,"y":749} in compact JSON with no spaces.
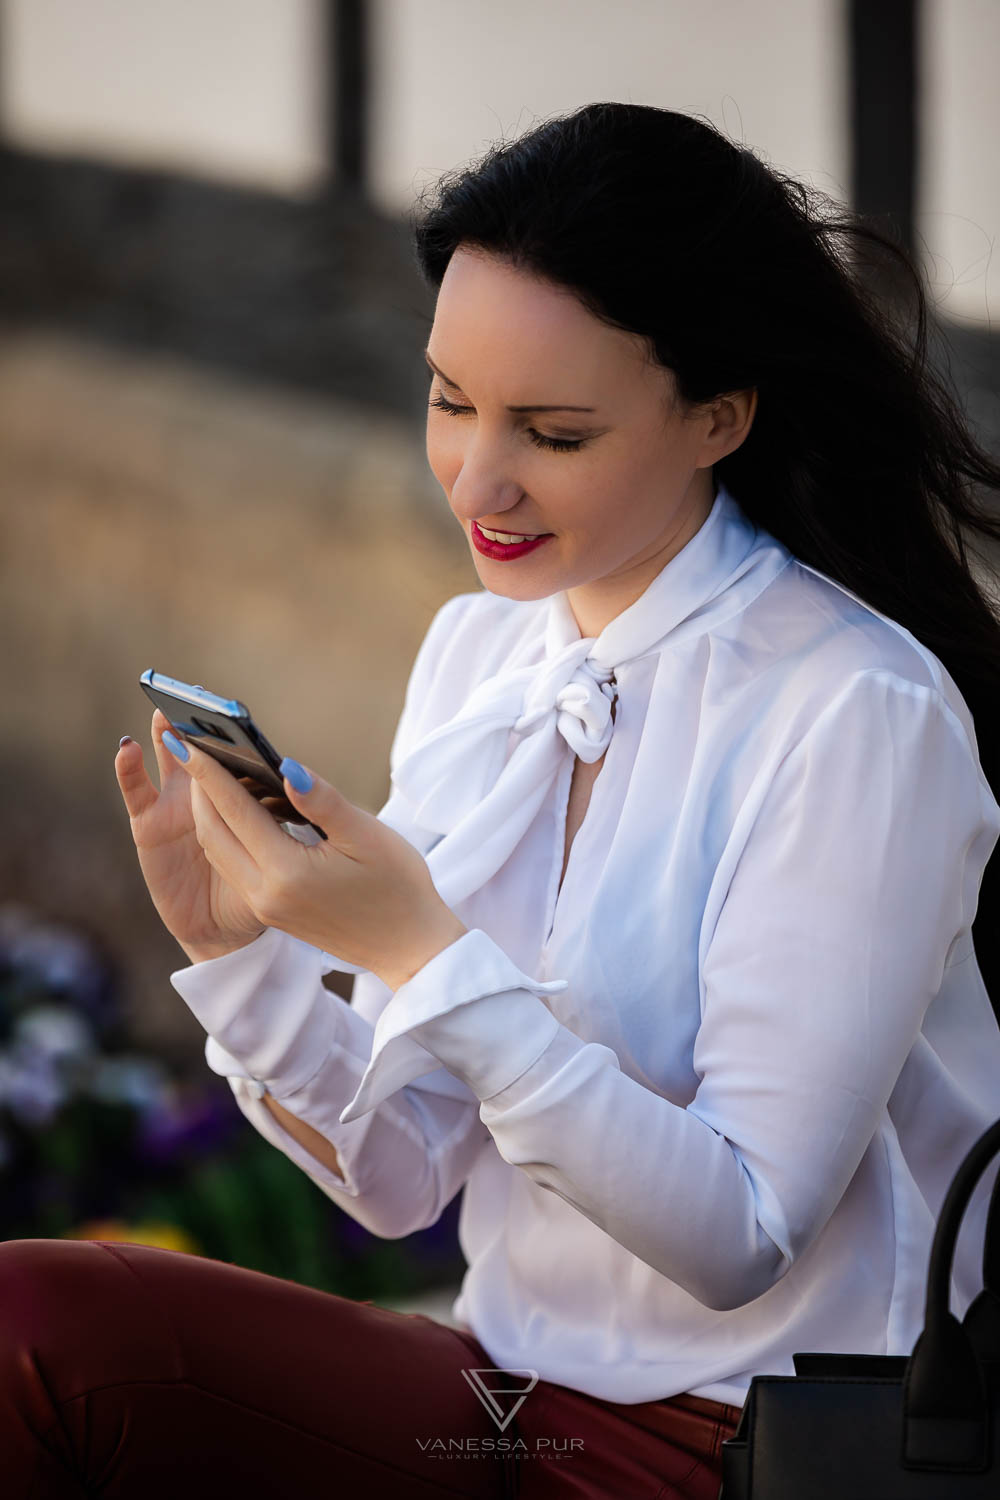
{"x":365,"y":895}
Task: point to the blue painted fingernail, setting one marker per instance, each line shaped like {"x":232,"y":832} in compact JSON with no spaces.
{"x":175,"y":747}
{"x":296,"y":774}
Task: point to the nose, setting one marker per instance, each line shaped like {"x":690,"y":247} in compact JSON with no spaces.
{"x":481,"y":487}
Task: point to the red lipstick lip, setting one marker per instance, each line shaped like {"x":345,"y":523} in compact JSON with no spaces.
{"x":500,"y":551}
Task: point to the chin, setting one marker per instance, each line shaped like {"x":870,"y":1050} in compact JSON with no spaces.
{"x":524,"y":593}
{"x":495,"y":580}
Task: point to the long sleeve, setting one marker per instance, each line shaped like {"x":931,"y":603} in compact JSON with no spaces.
{"x":860,"y":871}
{"x":272,"y":1026}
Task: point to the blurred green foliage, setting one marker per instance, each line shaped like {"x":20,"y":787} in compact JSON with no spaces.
{"x":99,"y":1141}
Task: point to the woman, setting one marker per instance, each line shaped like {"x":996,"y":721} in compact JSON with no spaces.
{"x":666,"y":940}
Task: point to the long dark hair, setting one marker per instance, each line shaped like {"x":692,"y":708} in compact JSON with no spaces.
{"x":859,"y":458}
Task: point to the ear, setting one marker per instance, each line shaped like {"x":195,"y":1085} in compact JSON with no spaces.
{"x":726,"y":423}
{"x":732,"y":418}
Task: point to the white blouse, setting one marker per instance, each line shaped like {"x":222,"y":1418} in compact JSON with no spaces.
{"x":706,"y":1098}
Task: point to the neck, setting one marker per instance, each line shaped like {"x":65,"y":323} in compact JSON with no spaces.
{"x":595,"y":605}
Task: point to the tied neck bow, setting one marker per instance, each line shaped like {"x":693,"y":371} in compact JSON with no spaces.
{"x":470,"y":790}
{"x":582,"y":700}
{"x":461,"y":782}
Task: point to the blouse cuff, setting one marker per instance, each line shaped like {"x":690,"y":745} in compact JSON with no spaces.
{"x":431,"y":1021}
{"x":268,"y":1015}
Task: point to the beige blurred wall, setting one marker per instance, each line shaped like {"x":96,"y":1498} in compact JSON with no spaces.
{"x":234,"y":89}
{"x":958,"y":214}
{"x":225,"y":88}
{"x":455,"y":76}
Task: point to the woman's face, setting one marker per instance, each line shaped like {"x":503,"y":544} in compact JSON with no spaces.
{"x":617,"y":486}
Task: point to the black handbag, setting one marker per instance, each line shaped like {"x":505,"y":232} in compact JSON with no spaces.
{"x":883,"y":1427}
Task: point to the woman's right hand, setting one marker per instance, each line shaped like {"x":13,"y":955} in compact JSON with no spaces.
{"x":196,"y":905}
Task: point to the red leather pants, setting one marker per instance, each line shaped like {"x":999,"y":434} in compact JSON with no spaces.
{"x":130,"y":1371}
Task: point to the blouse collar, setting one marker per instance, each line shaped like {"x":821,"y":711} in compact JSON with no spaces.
{"x":465,"y":781}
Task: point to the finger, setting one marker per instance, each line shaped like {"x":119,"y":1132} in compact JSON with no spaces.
{"x":347,"y":827}
{"x":254,"y":787}
{"x":136,"y":788}
{"x":223,"y":849}
{"x":282,"y":810}
{"x":168,"y":767}
{"x":267,"y":796}
{"x":253,"y":827}
{"x":278,"y":807}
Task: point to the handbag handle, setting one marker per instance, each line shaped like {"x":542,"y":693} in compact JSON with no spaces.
{"x":945,"y":1421}
{"x":982,"y":1321}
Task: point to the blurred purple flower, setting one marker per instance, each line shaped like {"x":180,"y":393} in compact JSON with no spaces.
{"x":192,"y":1122}
{"x":42,"y":955}
{"x":127,"y":1078}
{"x":55,"y":1032}
{"x":30,"y":1086}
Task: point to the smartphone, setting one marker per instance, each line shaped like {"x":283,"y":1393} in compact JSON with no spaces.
{"x":224,"y":729}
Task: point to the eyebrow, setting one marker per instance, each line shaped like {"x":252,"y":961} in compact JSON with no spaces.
{"x":456,"y":387}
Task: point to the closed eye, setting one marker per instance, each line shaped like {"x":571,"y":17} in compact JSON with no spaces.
{"x":555,"y":445}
